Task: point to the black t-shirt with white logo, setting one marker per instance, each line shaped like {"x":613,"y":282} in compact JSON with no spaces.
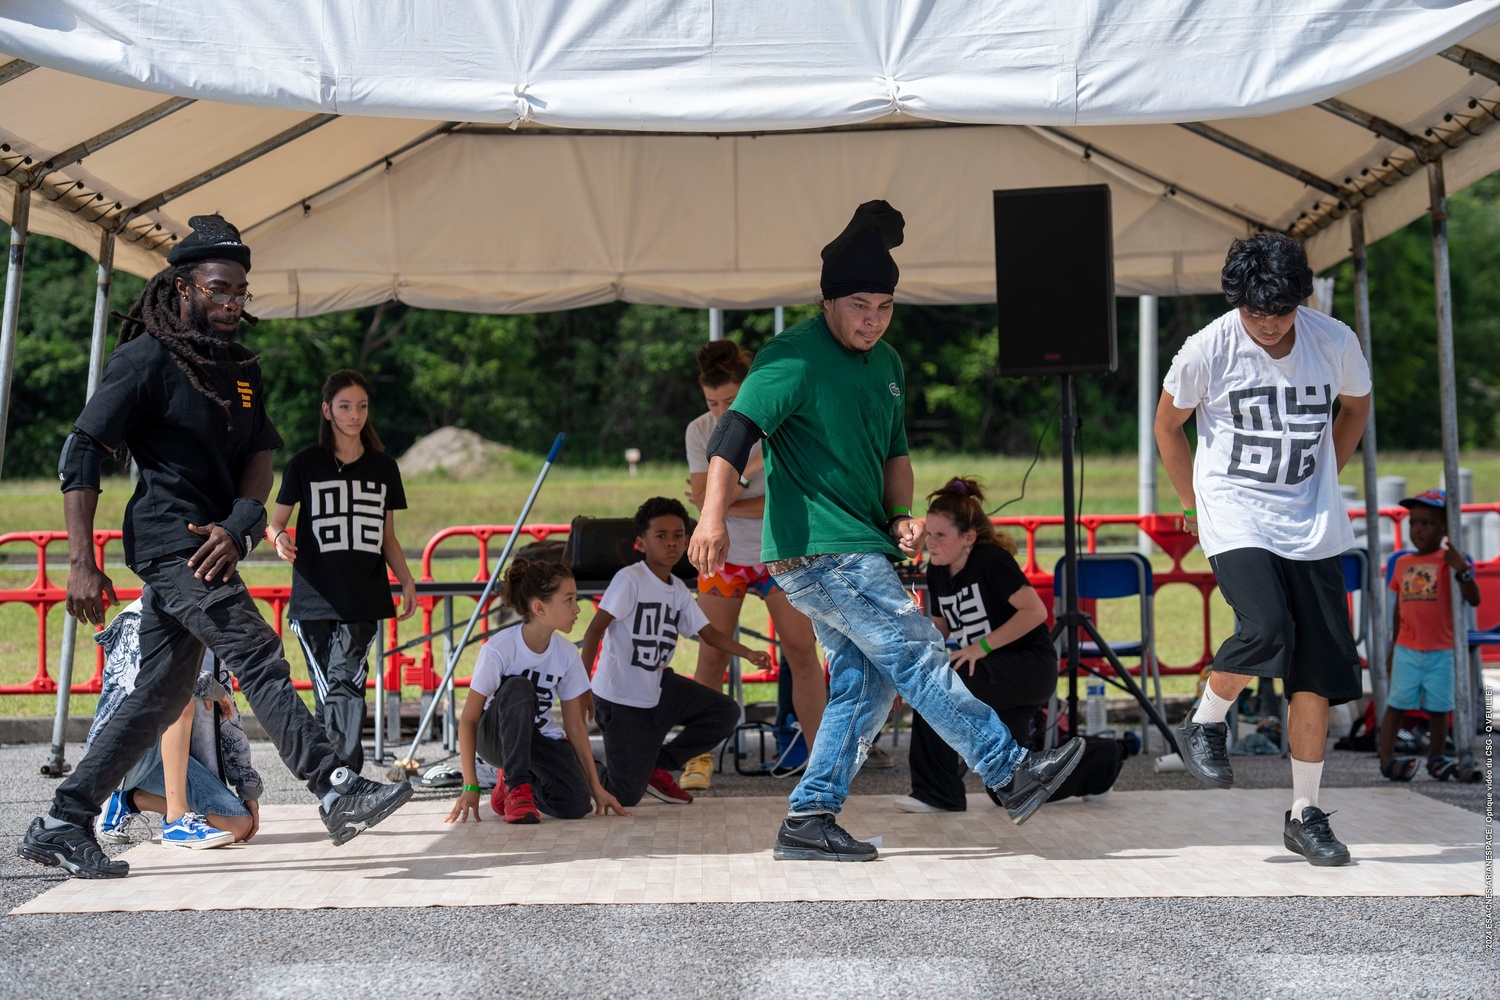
{"x":190,"y":455}
{"x":976,"y":600}
{"x":340,"y":573}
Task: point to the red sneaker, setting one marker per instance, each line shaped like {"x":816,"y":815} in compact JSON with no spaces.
{"x":497,"y":795}
{"x":520,"y":807}
{"x":666,"y":788}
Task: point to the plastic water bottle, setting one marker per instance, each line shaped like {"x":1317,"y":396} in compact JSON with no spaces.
{"x":1096,"y":718}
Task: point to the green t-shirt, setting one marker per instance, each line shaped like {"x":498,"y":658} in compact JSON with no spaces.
{"x":832,"y":419}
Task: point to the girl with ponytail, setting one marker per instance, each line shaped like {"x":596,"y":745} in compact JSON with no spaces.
{"x":996,"y":626}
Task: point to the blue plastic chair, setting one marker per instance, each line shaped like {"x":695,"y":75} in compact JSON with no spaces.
{"x":1104,"y":576}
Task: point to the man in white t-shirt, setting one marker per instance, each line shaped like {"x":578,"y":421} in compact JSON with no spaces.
{"x":1262,"y":495}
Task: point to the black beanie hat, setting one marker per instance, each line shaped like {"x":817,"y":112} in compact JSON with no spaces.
{"x":859,"y":259}
{"x":212,"y":238}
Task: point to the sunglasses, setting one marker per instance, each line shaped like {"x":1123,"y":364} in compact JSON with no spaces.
{"x":224,"y":298}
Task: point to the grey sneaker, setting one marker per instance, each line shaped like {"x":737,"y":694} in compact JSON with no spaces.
{"x":1033,"y":781}
{"x":1205,"y":752}
{"x":1313,"y":838}
{"x":818,"y":838}
{"x":878,"y":759}
{"x":70,"y":848}
{"x":361,"y":803}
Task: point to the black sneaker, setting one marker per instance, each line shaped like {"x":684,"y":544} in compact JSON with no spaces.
{"x":1035,"y":779}
{"x":1313,"y":838}
{"x":1205,"y":752}
{"x":361,"y":803}
{"x":818,"y":838}
{"x":71,"y":848}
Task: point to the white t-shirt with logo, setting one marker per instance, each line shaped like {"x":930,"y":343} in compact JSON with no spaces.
{"x":556,"y":673}
{"x":1265,"y":474}
{"x":744,"y":532}
{"x":649,"y":616}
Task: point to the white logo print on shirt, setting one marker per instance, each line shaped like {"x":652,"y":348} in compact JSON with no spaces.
{"x":653,"y":637}
{"x":348,"y":515}
{"x":964,"y":611}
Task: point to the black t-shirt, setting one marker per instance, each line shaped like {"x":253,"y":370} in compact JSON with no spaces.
{"x":190,"y":455}
{"x":339,"y":573}
{"x":977,"y":601}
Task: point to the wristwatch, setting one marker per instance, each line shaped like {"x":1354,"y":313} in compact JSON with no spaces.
{"x":744,"y":483}
{"x":1465,"y":576}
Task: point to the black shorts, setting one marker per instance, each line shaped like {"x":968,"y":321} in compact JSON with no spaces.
{"x":1291,"y":622}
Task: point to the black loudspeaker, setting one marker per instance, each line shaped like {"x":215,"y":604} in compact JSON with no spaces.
{"x":599,"y":547}
{"x":1055,"y":281}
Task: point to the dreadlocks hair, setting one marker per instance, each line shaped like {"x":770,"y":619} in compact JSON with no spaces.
{"x":158,"y":312}
{"x":961,"y":500}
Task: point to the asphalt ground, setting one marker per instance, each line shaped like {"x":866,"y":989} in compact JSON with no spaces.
{"x":1289,"y":947}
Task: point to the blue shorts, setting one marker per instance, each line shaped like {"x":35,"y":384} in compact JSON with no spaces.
{"x":1421,"y":678}
{"x":206,"y":793}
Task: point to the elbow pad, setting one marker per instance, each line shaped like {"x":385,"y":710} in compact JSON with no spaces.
{"x":78,"y":465}
{"x":246,"y":524}
{"x":733,"y":438}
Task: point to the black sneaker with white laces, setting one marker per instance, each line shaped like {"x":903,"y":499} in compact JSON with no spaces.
{"x":818,"y":838}
{"x":71,"y":848}
{"x":1205,"y":752}
{"x":360,"y":804}
{"x":1033,"y":781}
{"x":1313,"y":838}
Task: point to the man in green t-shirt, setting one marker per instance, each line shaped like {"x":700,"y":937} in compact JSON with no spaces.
{"x":828,"y":397}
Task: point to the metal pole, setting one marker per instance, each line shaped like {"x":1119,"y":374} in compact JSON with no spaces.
{"x":20,"y":218}
{"x":1147,"y":391}
{"x":57,"y":764}
{"x":1374,"y":595}
{"x":780,"y":320}
{"x":1463,"y":695}
{"x":716,"y":324}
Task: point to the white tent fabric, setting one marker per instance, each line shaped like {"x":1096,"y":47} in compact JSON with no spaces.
{"x":700,"y":153}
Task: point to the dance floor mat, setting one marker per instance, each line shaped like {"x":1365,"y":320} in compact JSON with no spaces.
{"x":1132,"y":844}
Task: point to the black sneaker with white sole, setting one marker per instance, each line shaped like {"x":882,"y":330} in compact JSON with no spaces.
{"x":1312,"y":837}
{"x":1034,"y":780}
{"x":70,"y":848}
{"x":361,"y":803}
{"x":818,"y":838}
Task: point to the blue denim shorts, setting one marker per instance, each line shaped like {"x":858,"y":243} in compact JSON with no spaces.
{"x":206,"y":793}
{"x":1421,"y":678}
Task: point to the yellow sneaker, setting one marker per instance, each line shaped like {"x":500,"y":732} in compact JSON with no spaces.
{"x":697,"y":773}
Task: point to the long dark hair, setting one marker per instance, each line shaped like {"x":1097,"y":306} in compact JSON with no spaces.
{"x":158,"y":312}
{"x":961,"y":499}
{"x":335,"y":384}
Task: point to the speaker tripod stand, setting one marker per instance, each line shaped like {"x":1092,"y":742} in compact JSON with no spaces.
{"x":1071,"y":619}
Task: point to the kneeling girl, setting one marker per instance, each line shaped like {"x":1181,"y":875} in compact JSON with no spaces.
{"x":507,"y":717}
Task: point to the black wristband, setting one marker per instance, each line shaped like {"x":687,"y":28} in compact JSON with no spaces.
{"x":246,"y":524}
{"x":895,"y":519}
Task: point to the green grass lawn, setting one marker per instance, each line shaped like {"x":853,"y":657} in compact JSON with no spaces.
{"x":1108,"y":487}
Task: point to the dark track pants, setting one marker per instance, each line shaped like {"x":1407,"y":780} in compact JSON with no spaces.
{"x":633,"y":736}
{"x":338,"y":661}
{"x":181,"y":616}
{"x":509,"y":739}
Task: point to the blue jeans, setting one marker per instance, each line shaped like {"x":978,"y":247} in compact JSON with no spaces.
{"x":879,"y":643}
{"x":206,"y":792}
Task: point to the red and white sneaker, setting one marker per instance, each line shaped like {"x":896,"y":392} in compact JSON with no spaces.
{"x":665,"y":787}
{"x":497,"y":795}
{"x":520,"y":806}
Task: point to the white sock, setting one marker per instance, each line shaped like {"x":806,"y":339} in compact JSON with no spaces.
{"x":1306,"y":775}
{"x":1212,"y":708}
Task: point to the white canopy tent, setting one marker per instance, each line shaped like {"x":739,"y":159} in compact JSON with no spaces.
{"x":557,"y":153}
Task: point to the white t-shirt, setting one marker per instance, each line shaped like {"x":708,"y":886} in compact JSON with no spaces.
{"x":744,"y":532}
{"x":649,"y":616}
{"x":1265,"y":475}
{"x":558,"y":672}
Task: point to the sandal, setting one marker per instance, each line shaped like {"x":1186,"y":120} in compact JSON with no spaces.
{"x":1399,"y":768}
{"x":442,"y":775}
{"x":1441,"y":767}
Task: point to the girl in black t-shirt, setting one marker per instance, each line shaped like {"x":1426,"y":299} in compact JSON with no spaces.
{"x":997,"y":625}
{"x":349,"y":490}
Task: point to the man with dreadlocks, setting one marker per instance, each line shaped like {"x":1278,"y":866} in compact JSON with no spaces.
{"x":187,"y":403}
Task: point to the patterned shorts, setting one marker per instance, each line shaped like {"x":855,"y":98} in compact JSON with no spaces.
{"x":734,"y":580}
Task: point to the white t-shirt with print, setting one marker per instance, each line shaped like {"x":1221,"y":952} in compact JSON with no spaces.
{"x":1265,"y":474}
{"x":744,"y":532}
{"x":556,"y":673}
{"x":649,"y":616}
